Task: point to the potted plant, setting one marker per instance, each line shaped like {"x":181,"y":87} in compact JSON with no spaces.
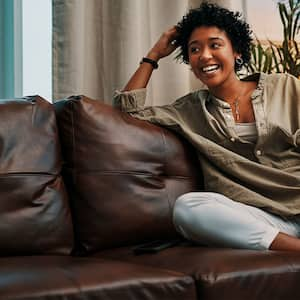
{"x":283,"y":57}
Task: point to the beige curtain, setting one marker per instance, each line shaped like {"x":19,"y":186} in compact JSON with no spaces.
{"x":97,"y":45}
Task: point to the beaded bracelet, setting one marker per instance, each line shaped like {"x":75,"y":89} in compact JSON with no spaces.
{"x":150,"y":61}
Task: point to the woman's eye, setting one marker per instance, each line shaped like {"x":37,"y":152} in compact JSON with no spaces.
{"x":215,"y":45}
{"x":194,"y":49}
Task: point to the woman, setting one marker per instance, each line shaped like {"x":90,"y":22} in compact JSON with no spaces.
{"x":246,"y":132}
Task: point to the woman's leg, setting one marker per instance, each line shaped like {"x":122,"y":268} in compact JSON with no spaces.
{"x":215,"y":220}
{"x":286,"y":242}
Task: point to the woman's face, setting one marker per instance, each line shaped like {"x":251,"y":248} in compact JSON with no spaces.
{"x":211,"y":56}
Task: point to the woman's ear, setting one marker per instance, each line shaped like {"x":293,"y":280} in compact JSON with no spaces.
{"x":239,"y":60}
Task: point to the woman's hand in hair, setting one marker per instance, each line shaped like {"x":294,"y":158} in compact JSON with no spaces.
{"x":165,"y":45}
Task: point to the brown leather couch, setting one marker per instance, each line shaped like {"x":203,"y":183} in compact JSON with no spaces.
{"x":77,"y":198}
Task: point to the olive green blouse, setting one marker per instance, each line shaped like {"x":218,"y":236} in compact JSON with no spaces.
{"x":264,"y":174}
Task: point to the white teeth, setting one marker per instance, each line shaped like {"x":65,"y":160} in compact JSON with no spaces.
{"x":210,"y":68}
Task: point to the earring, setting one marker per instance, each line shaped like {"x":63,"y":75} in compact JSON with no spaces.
{"x":239,"y":61}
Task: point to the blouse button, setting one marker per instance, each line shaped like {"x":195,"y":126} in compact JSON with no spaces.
{"x":258,"y":152}
{"x":232,"y":139}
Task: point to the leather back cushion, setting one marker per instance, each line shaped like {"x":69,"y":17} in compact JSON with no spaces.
{"x":124,"y":174}
{"x":34,"y":212}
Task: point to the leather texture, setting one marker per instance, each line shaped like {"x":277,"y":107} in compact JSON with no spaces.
{"x":35,"y":215}
{"x":68,"y":278}
{"x":226,"y":273}
{"x":124,"y":174}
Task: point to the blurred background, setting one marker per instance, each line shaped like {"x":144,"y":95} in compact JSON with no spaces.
{"x":60,"y":48}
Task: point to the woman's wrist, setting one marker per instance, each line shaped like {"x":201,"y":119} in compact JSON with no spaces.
{"x":153,"y":55}
{"x":150,"y":61}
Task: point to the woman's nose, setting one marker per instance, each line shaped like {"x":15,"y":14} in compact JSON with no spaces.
{"x":205,"y":54}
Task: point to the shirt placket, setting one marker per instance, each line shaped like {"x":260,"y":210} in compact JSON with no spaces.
{"x":261,"y":125}
{"x":230,"y":124}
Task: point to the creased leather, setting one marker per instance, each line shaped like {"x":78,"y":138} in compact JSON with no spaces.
{"x":124,"y":174}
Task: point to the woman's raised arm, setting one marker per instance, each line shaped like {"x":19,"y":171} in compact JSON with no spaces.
{"x":163,"y":47}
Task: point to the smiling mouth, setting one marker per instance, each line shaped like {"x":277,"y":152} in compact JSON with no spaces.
{"x":210,"y":69}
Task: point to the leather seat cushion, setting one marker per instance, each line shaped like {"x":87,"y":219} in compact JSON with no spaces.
{"x":69,"y":278}
{"x":238,"y":274}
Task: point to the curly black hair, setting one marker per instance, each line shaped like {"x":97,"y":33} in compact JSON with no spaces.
{"x":208,"y":14}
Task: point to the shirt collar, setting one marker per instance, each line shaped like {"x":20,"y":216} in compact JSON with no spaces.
{"x":258,"y":77}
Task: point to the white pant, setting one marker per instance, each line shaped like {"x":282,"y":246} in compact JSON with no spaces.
{"x":215,"y":220}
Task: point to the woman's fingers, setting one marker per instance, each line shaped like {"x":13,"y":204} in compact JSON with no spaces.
{"x":172,"y":34}
{"x":166,"y":44}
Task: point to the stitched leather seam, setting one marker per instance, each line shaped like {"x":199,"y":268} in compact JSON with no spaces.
{"x":16,"y":174}
{"x":132,"y":173}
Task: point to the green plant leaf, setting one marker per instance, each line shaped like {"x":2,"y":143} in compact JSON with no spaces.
{"x":297,"y":50}
{"x":284,"y":57}
{"x":260,"y":56}
{"x":296,"y":26}
{"x":283,"y":14}
{"x":267,"y":62}
{"x":253,"y":54}
{"x":277,"y":65}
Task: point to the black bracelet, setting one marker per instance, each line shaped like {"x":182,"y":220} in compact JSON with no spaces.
{"x":150,"y":61}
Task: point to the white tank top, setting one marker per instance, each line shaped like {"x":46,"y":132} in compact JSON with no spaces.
{"x":247,"y":131}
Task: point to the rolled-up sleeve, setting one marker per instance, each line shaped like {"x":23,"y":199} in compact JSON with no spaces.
{"x":130,"y":101}
{"x":133,"y":103}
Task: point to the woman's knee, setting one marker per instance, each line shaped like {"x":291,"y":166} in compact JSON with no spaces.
{"x":194,"y":204}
